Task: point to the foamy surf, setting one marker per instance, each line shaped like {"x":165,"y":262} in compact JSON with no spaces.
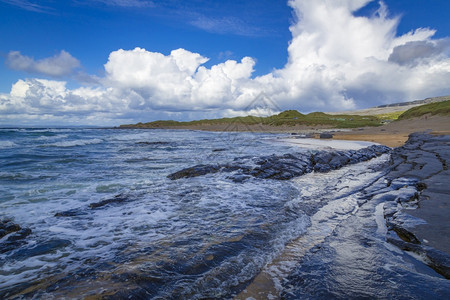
{"x":98,"y":215}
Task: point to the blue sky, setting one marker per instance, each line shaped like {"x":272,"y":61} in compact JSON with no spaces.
{"x":61,"y":63}
{"x":90,"y":30}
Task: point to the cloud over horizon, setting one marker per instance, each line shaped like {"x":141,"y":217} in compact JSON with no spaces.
{"x":336,"y":61}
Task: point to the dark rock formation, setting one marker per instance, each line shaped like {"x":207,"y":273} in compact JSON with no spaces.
{"x":195,"y":171}
{"x":422,"y":165}
{"x":436,"y":259}
{"x":153,"y":143}
{"x":19,"y":235}
{"x":284,"y":167}
{"x":326,"y":135}
{"x":7,"y":226}
{"x":70,"y":213}
{"x":117,"y":199}
{"x":41,"y":248}
{"x":16,"y":235}
{"x":120,"y":198}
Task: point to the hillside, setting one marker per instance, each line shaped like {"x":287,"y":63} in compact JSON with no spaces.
{"x":392,"y":111}
{"x":285,"y":118}
{"x":372,"y":117}
{"x":437,"y":108}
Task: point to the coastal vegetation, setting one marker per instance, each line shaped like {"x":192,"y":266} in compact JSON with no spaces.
{"x":293,"y":118}
{"x":390,"y":116}
{"x":285,"y":118}
{"x":437,"y":108}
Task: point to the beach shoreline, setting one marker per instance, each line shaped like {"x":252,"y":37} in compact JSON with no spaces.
{"x":424,"y":159}
{"x":394,"y":134}
{"x":415,"y":222}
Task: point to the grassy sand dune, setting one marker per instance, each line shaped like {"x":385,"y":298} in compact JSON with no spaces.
{"x":285,"y":118}
{"x":390,"y":128}
{"x":433,"y":117}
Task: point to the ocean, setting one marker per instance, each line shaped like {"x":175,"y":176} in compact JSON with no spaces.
{"x":103,"y":218}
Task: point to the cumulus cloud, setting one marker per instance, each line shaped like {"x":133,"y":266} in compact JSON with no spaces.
{"x":58,"y":65}
{"x":336,"y":61}
{"x":33,"y":101}
{"x":177,"y":81}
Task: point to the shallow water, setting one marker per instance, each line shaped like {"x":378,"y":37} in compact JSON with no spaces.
{"x":106,"y":220}
{"x":177,"y":234}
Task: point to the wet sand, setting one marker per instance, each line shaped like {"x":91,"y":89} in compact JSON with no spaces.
{"x":396,"y":134}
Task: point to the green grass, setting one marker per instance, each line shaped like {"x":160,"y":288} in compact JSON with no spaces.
{"x":285,"y":118}
{"x":389,"y":116}
{"x":437,"y":108}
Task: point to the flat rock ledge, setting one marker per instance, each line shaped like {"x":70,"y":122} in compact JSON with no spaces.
{"x":418,"y":219}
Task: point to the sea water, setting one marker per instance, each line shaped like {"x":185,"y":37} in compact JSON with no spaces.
{"x":106,"y":220}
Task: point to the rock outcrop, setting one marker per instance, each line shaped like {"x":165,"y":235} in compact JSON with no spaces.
{"x":283,"y":167}
{"x":422,"y":164}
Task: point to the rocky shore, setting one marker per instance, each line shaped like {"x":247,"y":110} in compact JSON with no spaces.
{"x":415,"y":198}
{"x":284,"y":167}
{"x":406,"y":208}
{"x":419,"y":221}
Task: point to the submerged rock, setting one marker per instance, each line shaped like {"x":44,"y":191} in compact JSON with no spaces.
{"x":116,"y":199}
{"x":153,"y":143}
{"x":15,"y":235}
{"x":7,"y":227}
{"x":42,"y":248}
{"x":195,"y":171}
{"x":70,"y":213}
{"x":19,"y":235}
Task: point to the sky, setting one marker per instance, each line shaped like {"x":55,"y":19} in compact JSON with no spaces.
{"x":112,"y":62}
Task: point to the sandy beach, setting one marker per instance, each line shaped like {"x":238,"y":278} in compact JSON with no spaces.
{"x":395,"y":134}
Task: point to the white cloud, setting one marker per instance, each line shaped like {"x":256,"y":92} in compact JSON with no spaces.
{"x":225,"y":25}
{"x":336,"y":61}
{"x":27,"y":5}
{"x":177,"y":81}
{"x":58,"y":65}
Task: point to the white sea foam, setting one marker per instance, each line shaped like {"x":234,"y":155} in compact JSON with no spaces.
{"x":52,"y":130}
{"x":75,"y":143}
{"x":132,"y":136}
{"x":327,"y":144}
{"x":55,"y":137}
{"x":7,"y":144}
{"x":339,"y":190}
{"x":173,"y":217}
